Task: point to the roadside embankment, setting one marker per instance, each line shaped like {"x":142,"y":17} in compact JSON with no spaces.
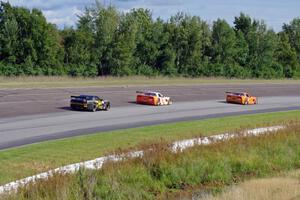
{"x":163,"y":173}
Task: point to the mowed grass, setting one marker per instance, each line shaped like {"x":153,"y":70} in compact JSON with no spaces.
{"x":65,"y":81}
{"x":28,"y":160}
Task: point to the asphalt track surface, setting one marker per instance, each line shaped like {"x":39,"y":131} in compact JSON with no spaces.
{"x":35,"y":115}
{"x":20,"y":102}
{"x":19,"y":131}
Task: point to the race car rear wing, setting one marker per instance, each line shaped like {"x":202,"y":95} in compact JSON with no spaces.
{"x":232,"y":92}
{"x":140,"y":92}
{"x":235,"y":92}
{"x":75,"y":97}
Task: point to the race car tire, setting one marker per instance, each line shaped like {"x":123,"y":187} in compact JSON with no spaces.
{"x":94,"y":108}
{"x":107,"y":107}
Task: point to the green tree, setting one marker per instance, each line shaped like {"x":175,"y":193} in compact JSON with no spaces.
{"x":28,"y":40}
{"x":106,"y":25}
{"x":223,"y":42}
{"x":147,"y":41}
{"x":293,"y":32}
{"x":241,"y":49}
{"x":9,"y":29}
{"x":262,"y":43}
{"x":188,"y":38}
{"x":245,"y":24}
{"x":194,"y":56}
{"x":286,"y":56}
{"x":223,"y":47}
{"x":78,"y":46}
{"x":124,"y":46}
{"x":107,"y":42}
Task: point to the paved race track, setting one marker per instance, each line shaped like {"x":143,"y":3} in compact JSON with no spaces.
{"x":20,"y":102}
{"x":21,"y":130}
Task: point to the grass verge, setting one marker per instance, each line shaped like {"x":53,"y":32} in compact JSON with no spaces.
{"x":64,"y":81}
{"x":32,"y":159}
{"x":163,"y":174}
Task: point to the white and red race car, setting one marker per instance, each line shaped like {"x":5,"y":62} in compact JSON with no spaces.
{"x":152,"y":98}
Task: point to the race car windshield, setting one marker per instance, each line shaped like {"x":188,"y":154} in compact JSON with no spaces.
{"x":238,"y":94}
{"x":150,"y":94}
{"x":86,"y":97}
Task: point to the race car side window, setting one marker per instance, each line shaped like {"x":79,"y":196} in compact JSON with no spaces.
{"x":160,"y":95}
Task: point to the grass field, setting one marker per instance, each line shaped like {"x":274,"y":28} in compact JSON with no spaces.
{"x":163,"y":174}
{"x":29,"y":160}
{"x":61,"y":81}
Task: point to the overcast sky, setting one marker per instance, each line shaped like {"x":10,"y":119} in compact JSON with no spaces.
{"x":273,"y":12}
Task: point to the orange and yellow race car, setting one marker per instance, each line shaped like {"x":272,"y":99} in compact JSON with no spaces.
{"x":240,"y":98}
{"x":152,"y":98}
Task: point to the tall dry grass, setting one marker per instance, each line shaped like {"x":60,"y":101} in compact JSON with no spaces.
{"x":280,"y":188}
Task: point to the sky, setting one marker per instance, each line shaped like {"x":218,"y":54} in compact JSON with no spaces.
{"x":273,"y":12}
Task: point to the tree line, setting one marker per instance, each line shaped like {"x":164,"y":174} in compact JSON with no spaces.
{"x":108,"y":42}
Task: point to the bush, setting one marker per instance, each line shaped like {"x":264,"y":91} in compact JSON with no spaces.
{"x":11,"y":70}
{"x":236,"y":71}
{"x":146,"y":70}
{"x":82,"y":70}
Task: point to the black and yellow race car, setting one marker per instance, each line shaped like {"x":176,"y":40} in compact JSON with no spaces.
{"x":89,"y":102}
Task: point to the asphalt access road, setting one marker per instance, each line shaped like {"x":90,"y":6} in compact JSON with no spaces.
{"x":24,"y":102}
{"x":24,"y":130}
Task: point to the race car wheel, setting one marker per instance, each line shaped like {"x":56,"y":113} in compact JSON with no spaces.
{"x":94,"y":108}
{"x":170,"y":102}
{"x":107,"y":107}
